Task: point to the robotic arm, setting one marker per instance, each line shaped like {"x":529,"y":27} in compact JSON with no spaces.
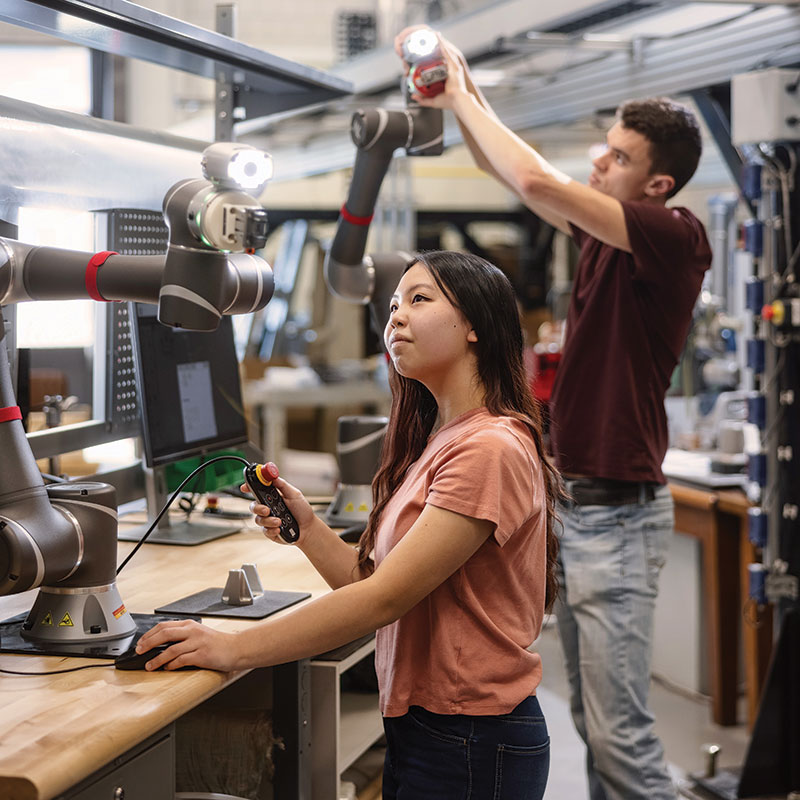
{"x":202,"y":276}
{"x":377,"y":133}
{"x":63,"y":537}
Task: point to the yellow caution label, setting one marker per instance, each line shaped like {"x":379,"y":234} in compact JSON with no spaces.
{"x":119,"y":612}
{"x":363,"y":507}
{"x":349,"y":507}
{"x":48,"y":619}
{"x":66,"y":621}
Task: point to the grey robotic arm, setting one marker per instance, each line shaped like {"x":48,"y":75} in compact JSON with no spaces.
{"x":63,"y":537}
{"x":201,"y":277}
{"x":377,"y":133}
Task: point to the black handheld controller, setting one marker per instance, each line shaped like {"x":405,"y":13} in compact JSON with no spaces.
{"x":259,"y":478}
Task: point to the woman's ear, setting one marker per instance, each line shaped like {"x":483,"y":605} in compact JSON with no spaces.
{"x":472,"y":336}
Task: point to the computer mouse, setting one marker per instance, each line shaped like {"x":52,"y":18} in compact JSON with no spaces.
{"x":133,"y":660}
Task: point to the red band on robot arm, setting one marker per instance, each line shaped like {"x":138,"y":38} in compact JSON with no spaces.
{"x":95,"y":262}
{"x":10,"y":413}
{"x":354,"y":220}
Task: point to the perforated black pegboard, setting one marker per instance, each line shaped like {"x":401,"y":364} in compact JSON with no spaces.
{"x":122,"y":379}
{"x":134,"y":232}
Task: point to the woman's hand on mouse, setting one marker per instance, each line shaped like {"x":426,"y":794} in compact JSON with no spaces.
{"x":194,"y":645}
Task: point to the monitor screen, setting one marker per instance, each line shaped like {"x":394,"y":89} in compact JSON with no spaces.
{"x":189,"y":389}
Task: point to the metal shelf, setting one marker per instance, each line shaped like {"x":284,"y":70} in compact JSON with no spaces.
{"x":267,"y":84}
{"x":344,"y":724}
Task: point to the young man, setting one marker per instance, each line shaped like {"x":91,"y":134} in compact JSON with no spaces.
{"x":640,"y":269}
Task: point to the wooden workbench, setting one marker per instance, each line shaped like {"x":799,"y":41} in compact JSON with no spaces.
{"x":59,"y":729}
{"x":718,"y":519}
{"x":757,"y":626}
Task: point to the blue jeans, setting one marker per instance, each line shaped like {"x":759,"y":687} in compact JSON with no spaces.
{"x":458,"y":757}
{"x":609,"y":564}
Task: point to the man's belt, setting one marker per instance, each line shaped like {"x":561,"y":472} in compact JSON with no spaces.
{"x":607,"y":492}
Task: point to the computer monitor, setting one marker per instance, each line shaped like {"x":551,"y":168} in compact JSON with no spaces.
{"x":191,"y":405}
{"x":188,"y":383}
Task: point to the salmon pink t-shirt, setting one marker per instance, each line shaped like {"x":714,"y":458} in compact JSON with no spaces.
{"x":463,"y":648}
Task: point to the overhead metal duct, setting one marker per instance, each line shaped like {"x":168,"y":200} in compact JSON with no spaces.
{"x":70,"y":161}
{"x":676,"y":65}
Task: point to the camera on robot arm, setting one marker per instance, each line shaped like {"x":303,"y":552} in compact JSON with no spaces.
{"x":63,"y":537}
{"x":427,"y":71}
{"x":229,"y":218}
{"x":377,"y":133}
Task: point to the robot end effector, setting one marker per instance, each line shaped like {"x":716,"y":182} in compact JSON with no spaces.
{"x":210,"y":220}
{"x":427,"y":71}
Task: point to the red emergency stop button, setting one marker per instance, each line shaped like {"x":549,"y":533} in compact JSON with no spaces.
{"x":774,"y":312}
{"x":267,"y":473}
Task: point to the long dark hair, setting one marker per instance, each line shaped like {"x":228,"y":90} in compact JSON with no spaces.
{"x":484,"y":295}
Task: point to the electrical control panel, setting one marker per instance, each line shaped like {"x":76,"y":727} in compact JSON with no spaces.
{"x":765,"y":106}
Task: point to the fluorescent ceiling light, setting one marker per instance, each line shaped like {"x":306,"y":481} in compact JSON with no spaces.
{"x":488,"y":77}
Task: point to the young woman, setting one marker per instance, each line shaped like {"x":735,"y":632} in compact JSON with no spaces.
{"x":456,"y":566}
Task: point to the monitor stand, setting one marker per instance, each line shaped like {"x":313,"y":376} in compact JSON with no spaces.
{"x":185,"y":532}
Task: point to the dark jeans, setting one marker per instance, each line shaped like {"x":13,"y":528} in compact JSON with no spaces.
{"x":458,"y":757}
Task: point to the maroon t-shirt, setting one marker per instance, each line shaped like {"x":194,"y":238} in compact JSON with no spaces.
{"x":628,"y":317}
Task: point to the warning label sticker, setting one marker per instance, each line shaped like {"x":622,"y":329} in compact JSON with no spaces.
{"x":47,"y":619}
{"x":119,"y":612}
{"x":66,"y":621}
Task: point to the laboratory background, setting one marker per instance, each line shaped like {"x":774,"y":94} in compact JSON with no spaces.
{"x":204,"y":210}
